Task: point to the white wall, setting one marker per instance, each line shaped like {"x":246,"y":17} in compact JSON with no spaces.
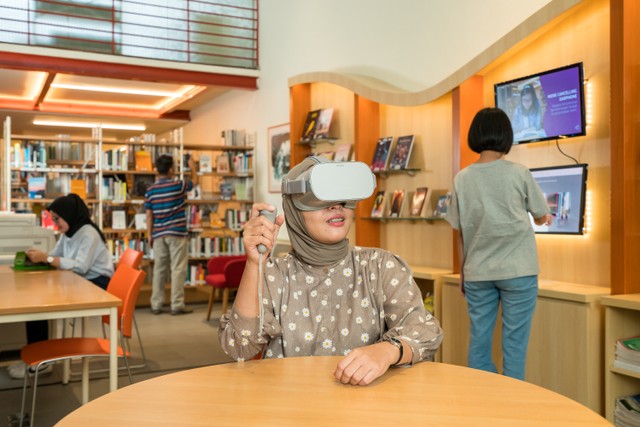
{"x":411,"y":44}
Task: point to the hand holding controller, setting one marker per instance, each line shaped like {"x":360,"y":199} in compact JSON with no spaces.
{"x":271,"y":216}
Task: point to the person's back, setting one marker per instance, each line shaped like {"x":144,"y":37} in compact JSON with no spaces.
{"x":165,"y":202}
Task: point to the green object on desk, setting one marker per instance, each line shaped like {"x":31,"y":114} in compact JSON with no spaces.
{"x":23,"y":263}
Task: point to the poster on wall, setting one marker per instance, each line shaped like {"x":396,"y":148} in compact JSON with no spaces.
{"x":279,"y":155}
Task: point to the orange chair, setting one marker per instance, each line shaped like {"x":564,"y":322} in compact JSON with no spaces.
{"x":218,"y":279}
{"x":125,"y":284}
{"x":130,"y":257}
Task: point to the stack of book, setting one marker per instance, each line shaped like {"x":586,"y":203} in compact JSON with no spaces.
{"x":627,"y":355}
{"x":627,"y":412}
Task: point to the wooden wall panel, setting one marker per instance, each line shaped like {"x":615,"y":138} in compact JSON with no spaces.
{"x":625,"y":154}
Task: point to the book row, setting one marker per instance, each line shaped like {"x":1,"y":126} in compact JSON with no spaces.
{"x":316,"y":125}
{"x":36,"y":154}
{"x":199,"y":247}
{"x":238,"y":138}
{"x":401,"y":203}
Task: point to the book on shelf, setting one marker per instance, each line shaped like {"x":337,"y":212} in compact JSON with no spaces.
{"x":309,"y":130}
{"x":79,"y":187}
{"x":441,"y":205}
{"x":226,"y":191}
{"x":141,"y":183}
{"x":418,"y":199}
{"x":377,"y":211}
{"x":36,"y":186}
{"x":195,"y":193}
{"x":323,"y":124}
{"x":118,"y":219}
{"x":397,"y":204}
{"x":381,"y":155}
{"x":343,"y":153}
{"x":627,"y":353}
{"x":627,"y":411}
{"x":140,"y":220}
{"x":402,"y":152}
{"x":143,"y":162}
{"x":326,"y":154}
{"x":205,"y":163}
{"x":222,"y":164}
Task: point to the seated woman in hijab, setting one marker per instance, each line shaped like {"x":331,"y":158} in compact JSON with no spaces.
{"x":80,"y":248}
{"x":326,"y":298}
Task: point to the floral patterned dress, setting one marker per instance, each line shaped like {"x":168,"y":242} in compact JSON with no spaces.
{"x":328,"y":311}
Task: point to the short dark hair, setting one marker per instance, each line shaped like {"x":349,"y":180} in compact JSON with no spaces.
{"x":490,"y":130}
{"x":164,"y":163}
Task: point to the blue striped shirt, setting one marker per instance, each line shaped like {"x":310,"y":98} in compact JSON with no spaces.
{"x":165,"y":198}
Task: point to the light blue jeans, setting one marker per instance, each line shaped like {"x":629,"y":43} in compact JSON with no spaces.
{"x":518,"y":298}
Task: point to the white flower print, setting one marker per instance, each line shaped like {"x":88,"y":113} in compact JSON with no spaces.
{"x":364,"y":303}
{"x":245,"y":332}
{"x":359,"y":320}
{"x":305,"y":312}
{"x":390,"y":264}
{"x":232,"y":342}
{"x":269,"y":353}
{"x":364,"y":337}
{"x":245,"y":342}
{"x":394,"y":282}
{"x":347,"y":272}
{"x":318,"y":317}
{"x":284,"y":308}
{"x":309,"y":280}
{"x":372,"y":276}
{"x":375,"y":255}
{"x":271,"y":278}
{"x":326,"y":343}
{"x":355,"y":294}
{"x":344,"y":332}
{"x":308,"y":336}
{"x":394,"y":301}
{"x":333,"y":318}
{"x":363,"y":262}
{"x":280,"y":290}
{"x":313,"y":293}
{"x":324,"y":302}
{"x":347,"y":351}
{"x":339,"y":292}
{"x":297,"y":349}
{"x":292,"y":326}
{"x":328,"y":281}
{"x":393,"y":317}
{"x":359,"y":280}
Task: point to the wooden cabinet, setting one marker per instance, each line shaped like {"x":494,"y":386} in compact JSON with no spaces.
{"x":622,"y":319}
{"x":565,"y":346}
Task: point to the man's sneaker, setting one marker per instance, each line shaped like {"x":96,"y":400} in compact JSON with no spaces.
{"x":183,"y":310}
{"x":17,"y":371}
{"x":156,"y":311}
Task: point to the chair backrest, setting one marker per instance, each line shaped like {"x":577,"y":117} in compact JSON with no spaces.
{"x":233,"y":272}
{"x":130,"y":257}
{"x":125,"y":284}
{"x":216,"y":264}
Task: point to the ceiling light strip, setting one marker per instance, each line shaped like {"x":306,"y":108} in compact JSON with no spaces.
{"x":114,"y":126}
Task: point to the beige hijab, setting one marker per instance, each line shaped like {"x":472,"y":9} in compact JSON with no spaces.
{"x":304,"y":246}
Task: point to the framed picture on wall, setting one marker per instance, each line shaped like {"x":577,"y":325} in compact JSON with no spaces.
{"x":279,"y":155}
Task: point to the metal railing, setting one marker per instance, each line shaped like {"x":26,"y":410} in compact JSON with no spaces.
{"x":220,"y":32}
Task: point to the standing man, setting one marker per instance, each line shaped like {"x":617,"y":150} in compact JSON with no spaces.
{"x":164,"y":203}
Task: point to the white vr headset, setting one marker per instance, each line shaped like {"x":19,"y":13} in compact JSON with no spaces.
{"x":327,"y":183}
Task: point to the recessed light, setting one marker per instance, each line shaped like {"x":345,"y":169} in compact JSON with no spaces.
{"x":114,"y":126}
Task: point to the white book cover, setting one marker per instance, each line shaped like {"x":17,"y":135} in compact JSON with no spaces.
{"x":119,"y":220}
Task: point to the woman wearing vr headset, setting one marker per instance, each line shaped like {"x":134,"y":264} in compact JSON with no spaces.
{"x":326,"y":298}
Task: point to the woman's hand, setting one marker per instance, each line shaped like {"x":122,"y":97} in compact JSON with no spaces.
{"x":259,"y":230}
{"x":365,"y":364}
{"x":544,"y":220}
{"x":36,"y":255}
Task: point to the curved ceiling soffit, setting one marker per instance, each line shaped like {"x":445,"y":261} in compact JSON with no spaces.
{"x":384,"y":93}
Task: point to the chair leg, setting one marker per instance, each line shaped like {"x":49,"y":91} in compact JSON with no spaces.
{"x":85,"y":380}
{"x":144,"y":357}
{"x":126,"y":359}
{"x":225,"y":300}
{"x":210,"y":306}
{"x":35,"y":391}
{"x":24,"y":397}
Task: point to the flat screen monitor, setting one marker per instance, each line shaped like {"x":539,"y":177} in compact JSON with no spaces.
{"x":547,"y":105}
{"x":564,"y":188}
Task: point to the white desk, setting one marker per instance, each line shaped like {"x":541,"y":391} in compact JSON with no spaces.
{"x":58,"y":294}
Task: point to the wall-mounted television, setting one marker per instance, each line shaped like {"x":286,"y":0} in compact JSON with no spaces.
{"x":546,"y":105}
{"x":565,"y":189}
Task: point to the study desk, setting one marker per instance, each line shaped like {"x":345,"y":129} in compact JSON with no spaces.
{"x":301,"y":391}
{"x":58,"y":294}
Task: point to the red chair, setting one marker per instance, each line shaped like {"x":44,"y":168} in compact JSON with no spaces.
{"x":125,"y":284}
{"x":218,"y":278}
{"x":131,"y":257}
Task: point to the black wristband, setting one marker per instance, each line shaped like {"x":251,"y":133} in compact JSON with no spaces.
{"x":396,"y":342}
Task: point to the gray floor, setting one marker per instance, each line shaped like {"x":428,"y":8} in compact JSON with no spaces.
{"x":171,"y":343}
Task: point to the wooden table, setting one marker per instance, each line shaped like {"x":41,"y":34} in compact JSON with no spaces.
{"x":302,"y":392}
{"x":58,"y":294}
